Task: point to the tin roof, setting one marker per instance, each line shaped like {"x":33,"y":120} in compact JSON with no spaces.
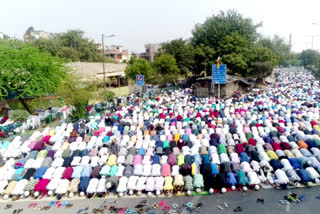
{"x":93,"y":70}
{"x":230,"y":78}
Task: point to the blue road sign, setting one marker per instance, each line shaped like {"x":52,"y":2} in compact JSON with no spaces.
{"x":219,"y":75}
{"x":140,"y":80}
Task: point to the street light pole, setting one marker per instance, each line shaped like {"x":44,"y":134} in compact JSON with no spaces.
{"x":104,"y":72}
{"x":103,"y":67}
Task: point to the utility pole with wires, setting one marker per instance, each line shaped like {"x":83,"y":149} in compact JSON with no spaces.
{"x":312,"y":39}
{"x":313,"y":36}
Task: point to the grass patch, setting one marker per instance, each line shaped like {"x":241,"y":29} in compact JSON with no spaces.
{"x":122,"y":91}
{"x":45,"y":103}
{"x":42,"y":104}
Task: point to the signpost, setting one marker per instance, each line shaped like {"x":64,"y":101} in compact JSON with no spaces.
{"x":140,"y":82}
{"x":219,"y":76}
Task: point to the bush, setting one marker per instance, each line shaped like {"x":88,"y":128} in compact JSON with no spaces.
{"x":75,"y":94}
{"x":107,"y":96}
{"x":263,"y":69}
{"x":19,"y":115}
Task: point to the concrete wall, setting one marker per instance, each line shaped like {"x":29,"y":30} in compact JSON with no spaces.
{"x":203,"y":89}
{"x":228,"y":89}
{"x":206,"y":89}
{"x":231,"y":87}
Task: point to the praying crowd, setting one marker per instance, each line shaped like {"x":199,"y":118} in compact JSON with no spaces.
{"x":173,"y":143}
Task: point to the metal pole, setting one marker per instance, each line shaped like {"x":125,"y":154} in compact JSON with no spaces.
{"x":119,"y":85}
{"x":205,"y":69}
{"x":213,"y":85}
{"x":104,"y":72}
{"x":219,"y":91}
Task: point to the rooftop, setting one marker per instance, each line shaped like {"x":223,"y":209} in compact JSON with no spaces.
{"x":230,"y":78}
{"x":93,"y":70}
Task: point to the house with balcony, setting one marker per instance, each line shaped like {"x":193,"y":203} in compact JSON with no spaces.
{"x":117,"y":53}
{"x":151,"y":51}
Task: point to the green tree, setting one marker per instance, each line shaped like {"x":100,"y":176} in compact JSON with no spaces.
{"x":262,"y":70}
{"x":27,"y":72}
{"x":183,"y":52}
{"x":165,"y":69}
{"x":279,"y":47}
{"x":74,"y":93}
{"x":139,"y":67}
{"x":242,"y":57}
{"x":204,"y":57}
{"x":234,"y":49}
{"x":216,"y":27}
{"x":293,"y":61}
{"x":261,"y":55}
{"x":310,"y":58}
{"x":71,"y":45}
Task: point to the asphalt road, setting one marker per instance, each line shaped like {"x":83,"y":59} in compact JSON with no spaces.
{"x":210,"y":203}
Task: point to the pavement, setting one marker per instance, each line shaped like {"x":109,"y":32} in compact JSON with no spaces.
{"x":210,"y":203}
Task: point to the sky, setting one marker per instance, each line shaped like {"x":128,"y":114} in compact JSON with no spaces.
{"x":137,"y":22}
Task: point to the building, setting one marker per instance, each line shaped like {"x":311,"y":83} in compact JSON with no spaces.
{"x":32,"y":35}
{"x":203,"y":87}
{"x":3,"y":36}
{"x":117,"y":53}
{"x":134,"y":54}
{"x":151,"y":51}
{"x":92,"y":72}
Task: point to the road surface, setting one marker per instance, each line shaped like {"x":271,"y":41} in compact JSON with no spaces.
{"x":234,"y":199}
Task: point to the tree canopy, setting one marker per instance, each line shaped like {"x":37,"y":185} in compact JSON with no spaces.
{"x":139,"y":67}
{"x":165,"y":69}
{"x":232,"y":37}
{"x":204,"y":57}
{"x":234,"y":51}
{"x":191,"y":60}
{"x":27,"y":72}
{"x":76,"y":94}
{"x":310,"y":58}
{"x":264,"y":69}
{"x":183,"y":53}
{"x":71,"y":45}
{"x":216,"y":27}
{"x":279,"y":47}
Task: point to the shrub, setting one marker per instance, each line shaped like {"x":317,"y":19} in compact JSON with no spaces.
{"x":19,"y":115}
{"x":107,"y":96}
{"x":75,"y":94}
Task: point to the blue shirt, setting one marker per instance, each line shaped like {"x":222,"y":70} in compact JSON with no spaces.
{"x":86,"y":172}
{"x":77,"y":172}
{"x":141,"y":152}
{"x":40,"y":172}
{"x":214,"y":169}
